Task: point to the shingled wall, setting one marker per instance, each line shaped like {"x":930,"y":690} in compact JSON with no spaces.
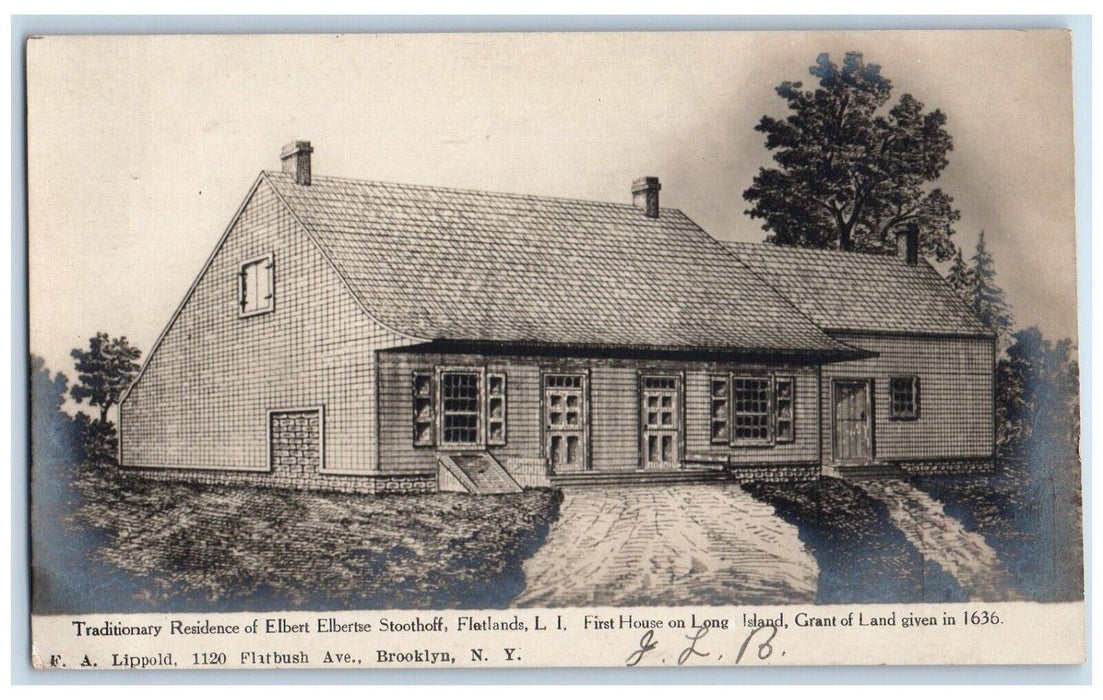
{"x":956,"y":396}
{"x":203,"y":400}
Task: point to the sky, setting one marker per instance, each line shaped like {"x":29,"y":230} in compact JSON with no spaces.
{"x":140,"y":149}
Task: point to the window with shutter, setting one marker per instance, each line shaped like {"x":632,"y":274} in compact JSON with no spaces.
{"x":784,"y":409}
{"x":495,"y":409}
{"x":423,"y":409}
{"x":257,"y":289}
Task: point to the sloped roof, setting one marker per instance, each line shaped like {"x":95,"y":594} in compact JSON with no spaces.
{"x":862,"y":292}
{"x":458,"y":265}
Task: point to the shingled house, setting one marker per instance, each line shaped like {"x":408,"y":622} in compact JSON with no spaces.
{"x":923,"y":399}
{"x":366,"y":336}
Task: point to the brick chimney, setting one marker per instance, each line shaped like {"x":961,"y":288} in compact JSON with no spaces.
{"x":645,"y":195}
{"x":295,"y":159}
{"x":907,"y":244}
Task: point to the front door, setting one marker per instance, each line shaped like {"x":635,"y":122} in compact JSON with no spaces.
{"x":853,"y":416}
{"x":565,"y":422}
{"x":660,"y":421}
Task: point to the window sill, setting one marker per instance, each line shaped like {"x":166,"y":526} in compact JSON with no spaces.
{"x":460,"y":447}
{"x":257,"y":312}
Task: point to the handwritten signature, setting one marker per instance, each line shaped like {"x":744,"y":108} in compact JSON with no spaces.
{"x":764,"y":648}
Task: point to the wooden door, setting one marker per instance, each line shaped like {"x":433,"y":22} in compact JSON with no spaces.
{"x":853,"y":421}
{"x":565,"y":423}
{"x":660,"y":422}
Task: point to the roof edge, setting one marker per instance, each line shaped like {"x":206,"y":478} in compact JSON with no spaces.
{"x":329,"y":260}
{"x":191,"y":289}
{"x":841,"y":353}
{"x":949,"y":335}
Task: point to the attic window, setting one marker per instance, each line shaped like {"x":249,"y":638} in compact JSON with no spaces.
{"x":904,"y":398}
{"x":257,"y":294}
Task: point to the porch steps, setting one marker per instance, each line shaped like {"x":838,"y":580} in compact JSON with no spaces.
{"x":474,"y":473}
{"x":871,"y":472}
{"x":681,"y":476}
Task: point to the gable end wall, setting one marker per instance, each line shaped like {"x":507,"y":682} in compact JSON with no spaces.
{"x":203,"y":399}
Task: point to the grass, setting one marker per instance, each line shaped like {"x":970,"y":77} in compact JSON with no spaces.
{"x":1029,"y":511}
{"x":863,"y":558}
{"x":168,"y":546}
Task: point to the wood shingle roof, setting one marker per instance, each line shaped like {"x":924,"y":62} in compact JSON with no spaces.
{"x":844,"y":291}
{"x":457,"y":265}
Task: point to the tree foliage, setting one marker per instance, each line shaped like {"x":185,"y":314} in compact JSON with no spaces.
{"x":850,"y":173}
{"x":960,"y":277}
{"x":985,"y":296}
{"x":55,"y":437}
{"x":1038,"y":390}
{"x":105,"y":370}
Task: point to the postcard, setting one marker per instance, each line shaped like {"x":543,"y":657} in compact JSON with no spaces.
{"x":553,"y":349}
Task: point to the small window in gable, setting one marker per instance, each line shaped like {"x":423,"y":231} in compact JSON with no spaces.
{"x":257,"y":294}
{"x":904,"y":398}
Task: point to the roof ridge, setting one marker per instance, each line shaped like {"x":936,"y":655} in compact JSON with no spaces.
{"x":471,"y":190}
{"x":815,"y":251}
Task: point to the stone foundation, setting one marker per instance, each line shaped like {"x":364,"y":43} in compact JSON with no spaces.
{"x":776,"y":474}
{"x":366,"y":484}
{"x":947,"y":466}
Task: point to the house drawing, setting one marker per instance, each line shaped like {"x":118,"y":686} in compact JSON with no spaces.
{"x":374,"y":337}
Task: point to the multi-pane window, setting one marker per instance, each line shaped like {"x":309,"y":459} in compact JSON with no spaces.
{"x":459,"y":409}
{"x":495,"y":409}
{"x":563,"y":381}
{"x":904,"y":398}
{"x":256,"y":293}
{"x":423,"y":408}
{"x":751,"y":409}
{"x":720,"y":409}
{"x":784,"y":409}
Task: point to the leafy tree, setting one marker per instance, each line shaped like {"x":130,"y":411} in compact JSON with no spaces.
{"x":986,"y":297}
{"x":849,"y":173}
{"x":99,"y":441}
{"x":960,"y":278}
{"x":105,"y":370}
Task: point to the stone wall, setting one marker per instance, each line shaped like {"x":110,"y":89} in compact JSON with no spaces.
{"x":366,"y":484}
{"x":777,"y":473}
{"x":947,"y":466}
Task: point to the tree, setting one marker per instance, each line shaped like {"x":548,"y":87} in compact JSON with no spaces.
{"x":55,"y":437}
{"x":1038,"y":391}
{"x":105,"y":370}
{"x":850,"y":174}
{"x":960,"y":278}
{"x":986,"y":297}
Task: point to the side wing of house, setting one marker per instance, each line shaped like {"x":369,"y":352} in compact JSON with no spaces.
{"x":925,"y":402}
{"x":267,"y":366}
